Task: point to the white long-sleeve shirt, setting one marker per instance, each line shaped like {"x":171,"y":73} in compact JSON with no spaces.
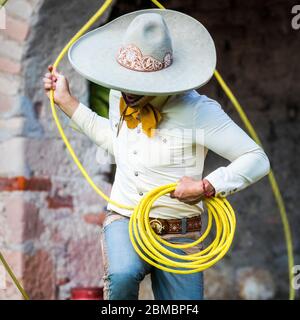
{"x":191,"y":125}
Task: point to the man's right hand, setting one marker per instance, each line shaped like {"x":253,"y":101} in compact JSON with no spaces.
{"x":53,"y":80}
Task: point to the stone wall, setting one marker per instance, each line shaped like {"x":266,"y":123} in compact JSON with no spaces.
{"x":47,"y":210}
{"x":48,"y":213}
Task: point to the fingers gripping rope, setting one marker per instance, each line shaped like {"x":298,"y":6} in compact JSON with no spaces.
{"x":146,"y":243}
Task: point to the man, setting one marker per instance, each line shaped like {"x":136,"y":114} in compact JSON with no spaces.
{"x":159,"y":131}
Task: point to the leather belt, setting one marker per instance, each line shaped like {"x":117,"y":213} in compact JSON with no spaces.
{"x":175,"y":226}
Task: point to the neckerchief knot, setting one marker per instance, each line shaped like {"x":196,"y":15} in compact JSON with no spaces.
{"x":143,"y":113}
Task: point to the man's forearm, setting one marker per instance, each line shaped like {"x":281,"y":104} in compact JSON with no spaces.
{"x":69,"y":105}
{"x":242,"y":172}
{"x":97,"y":128}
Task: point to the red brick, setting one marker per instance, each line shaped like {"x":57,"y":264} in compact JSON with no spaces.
{"x":92,"y":218}
{"x":39,"y":275}
{"x":24,"y":184}
{"x":38,"y":184}
{"x":9,"y":66}
{"x":16,"y":29}
{"x":58,"y":201}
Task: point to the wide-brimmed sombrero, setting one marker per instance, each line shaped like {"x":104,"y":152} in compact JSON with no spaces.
{"x":153,"y":52}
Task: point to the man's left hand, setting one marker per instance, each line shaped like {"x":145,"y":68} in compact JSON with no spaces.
{"x":191,"y":191}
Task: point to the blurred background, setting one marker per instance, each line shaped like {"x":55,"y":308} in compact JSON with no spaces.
{"x":50,"y":219}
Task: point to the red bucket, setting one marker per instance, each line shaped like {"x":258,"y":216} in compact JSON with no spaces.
{"x":89,"y":293}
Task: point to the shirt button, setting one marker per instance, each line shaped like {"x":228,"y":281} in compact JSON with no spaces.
{"x":116,"y":124}
{"x":134,"y":152}
{"x":141,"y":193}
{"x":136,"y":173}
{"x":138,"y":130}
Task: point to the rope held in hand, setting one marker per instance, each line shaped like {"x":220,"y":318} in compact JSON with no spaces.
{"x":145,"y":241}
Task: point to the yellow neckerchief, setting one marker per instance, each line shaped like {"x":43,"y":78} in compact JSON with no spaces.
{"x":143,"y":113}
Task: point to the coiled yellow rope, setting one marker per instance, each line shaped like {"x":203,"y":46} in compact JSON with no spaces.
{"x":146,"y":243}
{"x":153,"y":249}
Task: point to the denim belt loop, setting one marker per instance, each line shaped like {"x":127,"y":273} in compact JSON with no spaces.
{"x":183,"y":225}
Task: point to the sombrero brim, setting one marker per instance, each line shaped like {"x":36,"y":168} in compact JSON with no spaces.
{"x":194,"y":57}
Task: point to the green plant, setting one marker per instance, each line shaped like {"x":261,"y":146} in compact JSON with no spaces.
{"x":99,"y":99}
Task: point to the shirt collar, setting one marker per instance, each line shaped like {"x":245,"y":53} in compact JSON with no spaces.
{"x":159,"y":101}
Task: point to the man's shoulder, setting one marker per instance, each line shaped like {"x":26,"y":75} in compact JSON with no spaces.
{"x":192,"y":101}
{"x":194,"y":109}
{"x":203,"y":101}
{"x":193,"y":97}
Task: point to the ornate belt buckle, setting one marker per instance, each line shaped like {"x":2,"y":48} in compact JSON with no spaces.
{"x":157,"y":226}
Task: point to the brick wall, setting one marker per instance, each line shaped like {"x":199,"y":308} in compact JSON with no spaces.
{"x":48,"y":213}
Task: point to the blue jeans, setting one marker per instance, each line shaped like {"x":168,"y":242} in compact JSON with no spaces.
{"x":124,"y":269}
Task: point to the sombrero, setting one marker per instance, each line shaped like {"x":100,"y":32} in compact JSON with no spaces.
{"x":147,"y":52}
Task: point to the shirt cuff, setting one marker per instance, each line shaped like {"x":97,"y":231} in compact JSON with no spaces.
{"x":214,"y":179}
{"x":223,"y":182}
